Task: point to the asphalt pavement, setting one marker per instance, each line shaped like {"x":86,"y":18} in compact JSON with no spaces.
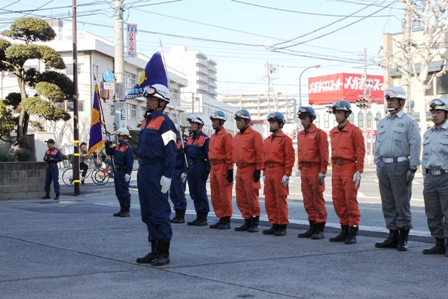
{"x":74,"y":248}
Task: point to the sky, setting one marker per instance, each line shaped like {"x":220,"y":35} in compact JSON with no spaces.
{"x":242,"y":36}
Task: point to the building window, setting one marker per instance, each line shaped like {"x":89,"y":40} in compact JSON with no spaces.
{"x":326,"y":120}
{"x":360,"y":119}
{"x":317,"y":120}
{"x":369,"y":120}
{"x":96,"y":73}
{"x":129,"y":81}
{"x":132,"y":111}
{"x":351,"y":118}
{"x":69,"y":69}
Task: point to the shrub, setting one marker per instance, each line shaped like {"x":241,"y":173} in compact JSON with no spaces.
{"x":23,"y":155}
{"x":6,"y":158}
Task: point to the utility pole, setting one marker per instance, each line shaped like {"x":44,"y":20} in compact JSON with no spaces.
{"x":407,"y":41}
{"x":366,"y":96}
{"x":270,"y":69}
{"x":75,"y":103}
{"x":120,"y":111}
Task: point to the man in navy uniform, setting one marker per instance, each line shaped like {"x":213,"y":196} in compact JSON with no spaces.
{"x":156,"y":152}
{"x":52,"y":157}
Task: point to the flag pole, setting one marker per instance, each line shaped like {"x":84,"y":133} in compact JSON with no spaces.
{"x":171,"y":94}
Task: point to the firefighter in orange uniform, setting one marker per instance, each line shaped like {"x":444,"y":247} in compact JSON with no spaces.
{"x":221,"y":174}
{"x":278,"y":162}
{"x":248,"y":156}
{"x":312,"y":147}
{"x":347,"y":155}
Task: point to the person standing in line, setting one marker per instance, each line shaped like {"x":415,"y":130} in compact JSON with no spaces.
{"x":347,"y":156}
{"x":312,"y":145}
{"x":248,"y":156}
{"x":123,"y":162}
{"x":83,"y":157}
{"x":156,"y":152}
{"x":178,"y":183}
{"x":199,"y":169}
{"x":435,"y":180}
{"x":52,"y":156}
{"x":397,"y":156}
{"x":221,"y":175}
{"x":278,"y":162}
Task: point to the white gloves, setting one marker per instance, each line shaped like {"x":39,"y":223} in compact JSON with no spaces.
{"x":165,"y":183}
{"x":183,"y":177}
{"x":285,"y":180}
{"x":410,"y":176}
{"x":127,"y":177}
{"x":356,"y":179}
{"x":321,"y":178}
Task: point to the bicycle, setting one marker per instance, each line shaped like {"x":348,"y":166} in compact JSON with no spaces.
{"x":98,"y":174}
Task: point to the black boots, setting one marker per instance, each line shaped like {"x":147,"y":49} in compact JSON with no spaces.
{"x":253,"y":226}
{"x":159,"y":255}
{"x":47,"y":196}
{"x":57,"y":196}
{"x":351,"y":236}
{"x":150,"y":256}
{"x":272,"y":230}
{"x":201,"y":219}
{"x":118,"y":214}
{"x":319,"y":231}
{"x":223,"y":223}
{"x":126,"y":211}
{"x":403,"y":239}
{"x":281,"y":231}
{"x":341,"y":237}
{"x":310,"y":231}
{"x":391,"y":241}
{"x":180,"y":217}
{"x":163,"y":256}
{"x":243,"y":227}
{"x":439,"y":248}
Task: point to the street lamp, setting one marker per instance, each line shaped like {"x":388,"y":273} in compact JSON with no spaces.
{"x":300,"y":87}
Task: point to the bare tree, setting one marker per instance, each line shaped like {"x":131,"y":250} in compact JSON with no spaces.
{"x":419,"y":49}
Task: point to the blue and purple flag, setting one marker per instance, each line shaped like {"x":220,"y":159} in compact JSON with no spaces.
{"x":154,"y":73}
{"x":96,"y":137}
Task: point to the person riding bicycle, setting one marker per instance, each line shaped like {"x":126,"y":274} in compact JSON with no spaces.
{"x":123,"y":160}
{"x":83,"y":158}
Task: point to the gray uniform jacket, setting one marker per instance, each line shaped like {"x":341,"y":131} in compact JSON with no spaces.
{"x":435,"y":148}
{"x":398,"y":136}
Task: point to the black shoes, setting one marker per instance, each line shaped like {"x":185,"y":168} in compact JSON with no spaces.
{"x":391,"y":241}
{"x":272,"y":230}
{"x":180,"y":217}
{"x":47,"y":196}
{"x":118,"y":214}
{"x":319,"y":231}
{"x":310,"y":231}
{"x":341,"y":237}
{"x":439,"y":248}
{"x":403,"y":239}
{"x":253,"y":225}
{"x":243,"y":227}
{"x":126,"y":211}
{"x":351,"y":236}
{"x":147,"y":259}
{"x":201,"y":219}
{"x":56,"y":197}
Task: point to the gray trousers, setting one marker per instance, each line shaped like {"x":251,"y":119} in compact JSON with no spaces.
{"x":435,"y":194}
{"x":395,"y":194}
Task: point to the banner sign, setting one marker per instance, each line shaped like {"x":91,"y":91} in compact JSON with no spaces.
{"x":132,"y":40}
{"x":329,"y":88}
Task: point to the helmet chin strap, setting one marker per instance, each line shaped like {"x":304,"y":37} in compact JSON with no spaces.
{"x":391,"y":110}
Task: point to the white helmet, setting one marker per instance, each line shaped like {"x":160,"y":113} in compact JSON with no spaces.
{"x":438,"y":104}
{"x":122,"y":132}
{"x":396,"y":92}
{"x":158,"y":91}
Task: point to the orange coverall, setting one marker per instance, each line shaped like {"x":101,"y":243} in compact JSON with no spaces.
{"x":278,"y":161}
{"x":313,"y":158}
{"x":248,"y":156}
{"x":220,"y":156}
{"x":347,"y":155}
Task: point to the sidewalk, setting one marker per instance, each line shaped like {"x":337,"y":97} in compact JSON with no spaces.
{"x":74,"y":248}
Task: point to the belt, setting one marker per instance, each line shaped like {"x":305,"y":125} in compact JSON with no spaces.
{"x":194,"y":161}
{"x":436,"y":171}
{"x":179,"y":167}
{"x":214,"y":162}
{"x":341,"y":162}
{"x":120,"y":167}
{"x":309,"y":164}
{"x":243,"y":165}
{"x":273,"y":164}
{"x":147,"y":161}
{"x":394,"y":160}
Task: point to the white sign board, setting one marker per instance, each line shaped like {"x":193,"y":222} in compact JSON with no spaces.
{"x":132,"y":40}
{"x":109,"y":86}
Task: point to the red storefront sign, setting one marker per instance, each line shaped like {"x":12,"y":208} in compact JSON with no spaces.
{"x":329,"y":88}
